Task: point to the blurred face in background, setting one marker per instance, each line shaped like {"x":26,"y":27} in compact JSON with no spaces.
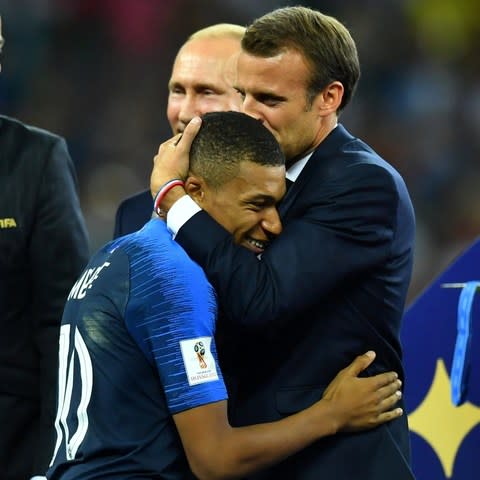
{"x":202,"y":80}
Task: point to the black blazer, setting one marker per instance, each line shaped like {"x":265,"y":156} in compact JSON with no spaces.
{"x":133,"y":213}
{"x":330,"y":287}
{"x":44,"y":247}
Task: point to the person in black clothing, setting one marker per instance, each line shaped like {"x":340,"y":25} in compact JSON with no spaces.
{"x":44,"y":246}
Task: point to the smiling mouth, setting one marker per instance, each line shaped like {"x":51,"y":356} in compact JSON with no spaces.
{"x":257,"y":246}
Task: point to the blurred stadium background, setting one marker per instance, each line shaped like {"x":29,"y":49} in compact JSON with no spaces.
{"x":96,"y":72}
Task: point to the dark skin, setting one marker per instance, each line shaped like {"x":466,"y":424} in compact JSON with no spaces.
{"x":349,"y":403}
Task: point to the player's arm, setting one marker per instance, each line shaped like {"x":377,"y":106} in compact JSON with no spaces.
{"x":215,"y":450}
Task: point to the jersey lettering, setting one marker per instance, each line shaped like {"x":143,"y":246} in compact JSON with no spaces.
{"x":85,"y":282}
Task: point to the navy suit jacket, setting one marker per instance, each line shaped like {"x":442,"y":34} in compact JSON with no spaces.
{"x":331,"y":286}
{"x":133,"y":213}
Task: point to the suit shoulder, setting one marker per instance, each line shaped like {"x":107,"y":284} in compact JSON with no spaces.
{"x":357,"y":152}
{"x":31,"y":133}
{"x":341,"y":151}
{"x":349,"y":164}
{"x":132,"y":213}
{"x":140,"y":198}
{"x":139,"y":202}
{"x":27,"y":149}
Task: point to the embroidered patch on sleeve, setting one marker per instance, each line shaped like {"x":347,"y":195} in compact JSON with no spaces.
{"x":199,"y":363}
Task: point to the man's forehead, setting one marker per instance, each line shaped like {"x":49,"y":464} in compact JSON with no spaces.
{"x":199,"y":66}
{"x":218,"y":49}
{"x":263,"y":181}
{"x":265,"y":74}
{"x":196,"y":72}
{"x":260,"y":63}
{"x":230,"y":68}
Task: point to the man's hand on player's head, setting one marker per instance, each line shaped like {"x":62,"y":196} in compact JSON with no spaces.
{"x":172,"y":161}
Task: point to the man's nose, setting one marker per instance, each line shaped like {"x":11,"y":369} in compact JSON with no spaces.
{"x":249,"y":107}
{"x":188,"y":109}
{"x":271,"y":222}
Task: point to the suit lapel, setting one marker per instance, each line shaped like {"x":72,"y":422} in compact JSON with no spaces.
{"x":329,"y":147}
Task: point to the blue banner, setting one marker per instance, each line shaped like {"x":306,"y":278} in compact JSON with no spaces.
{"x":441,"y":342}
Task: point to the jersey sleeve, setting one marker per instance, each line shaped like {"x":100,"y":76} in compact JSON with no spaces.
{"x":171,"y":314}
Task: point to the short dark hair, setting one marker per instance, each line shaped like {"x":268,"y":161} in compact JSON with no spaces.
{"x":324,"y":42}
{"x":226,"y":139}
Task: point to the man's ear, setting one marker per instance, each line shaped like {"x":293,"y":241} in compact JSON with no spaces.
{"x":195,"y":188}
{"x":329,"y":99}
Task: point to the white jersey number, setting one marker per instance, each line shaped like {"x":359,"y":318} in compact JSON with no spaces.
{"x":66,"y":370}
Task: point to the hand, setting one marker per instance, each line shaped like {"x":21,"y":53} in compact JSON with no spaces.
{"x":172,"y":159}
{"x":361,"y":403}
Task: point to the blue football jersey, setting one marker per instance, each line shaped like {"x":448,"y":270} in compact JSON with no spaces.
{"x":136,"y":346}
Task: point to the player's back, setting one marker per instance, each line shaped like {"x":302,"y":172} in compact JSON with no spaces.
{"x":114,"y":419}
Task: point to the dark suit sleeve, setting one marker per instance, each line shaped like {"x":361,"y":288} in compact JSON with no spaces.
{"x":339,"y":231}
{"x":58,"y":252}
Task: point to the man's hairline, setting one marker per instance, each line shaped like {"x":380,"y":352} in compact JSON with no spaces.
{"x":235,"y":175}
{"x":219,"y":30}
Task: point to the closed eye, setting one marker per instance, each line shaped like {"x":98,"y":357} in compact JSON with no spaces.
{"x":176,"y":89}
{"x":269,"y":100}
{"x":261,"y":203}
{"x":240,"y":92}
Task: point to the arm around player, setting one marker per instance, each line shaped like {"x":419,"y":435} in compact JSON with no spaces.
{"x":215,"y":450}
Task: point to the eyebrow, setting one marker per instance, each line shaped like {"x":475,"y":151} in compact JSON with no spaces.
{"x":262,"y":94}
{"x":268,"y":95}
{"x":261,"y":198}
{"x":196,"y":86}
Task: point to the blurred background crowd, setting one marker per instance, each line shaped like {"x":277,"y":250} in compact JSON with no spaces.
{"x":96,"y":72}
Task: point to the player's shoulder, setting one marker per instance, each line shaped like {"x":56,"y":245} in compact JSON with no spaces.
{"x":153,"y":250}
{"x":153,"y":241}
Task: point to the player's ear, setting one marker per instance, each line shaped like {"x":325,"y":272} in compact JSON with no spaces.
{"x":195,"y":188}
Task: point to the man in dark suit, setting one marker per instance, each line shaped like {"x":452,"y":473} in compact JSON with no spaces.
{"x":335,"y":280}
{"x":202,"y":81}
{"x":43,"y":248}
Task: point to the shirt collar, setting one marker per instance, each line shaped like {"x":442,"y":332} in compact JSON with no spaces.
{"x":294,"y":171}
